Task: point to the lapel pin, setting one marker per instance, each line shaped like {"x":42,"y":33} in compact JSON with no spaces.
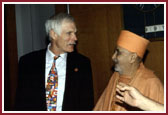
{"x":76,"y":69}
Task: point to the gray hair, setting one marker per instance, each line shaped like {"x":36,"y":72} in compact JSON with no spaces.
{"x":55,"y":22}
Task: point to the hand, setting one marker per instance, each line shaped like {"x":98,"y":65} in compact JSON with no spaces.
{"x":128,"y":94}
{"x":133,"y":97}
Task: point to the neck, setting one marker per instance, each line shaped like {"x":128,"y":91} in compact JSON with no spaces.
{"x":131,"y":70}
{"x":54,"y":49}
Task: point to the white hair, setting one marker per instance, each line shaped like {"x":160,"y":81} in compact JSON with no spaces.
{"x":55,"y":22}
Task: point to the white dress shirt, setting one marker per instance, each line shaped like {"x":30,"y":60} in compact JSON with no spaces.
{"x":61,"y":72}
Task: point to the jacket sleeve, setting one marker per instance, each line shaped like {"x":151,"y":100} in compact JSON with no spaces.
{"x":19,"y":99}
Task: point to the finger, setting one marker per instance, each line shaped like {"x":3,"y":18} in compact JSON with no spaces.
{"x":120,"y":97}
{"x":123,"y":86}
{"x":120,"y":92}
{"x":119,"y":86}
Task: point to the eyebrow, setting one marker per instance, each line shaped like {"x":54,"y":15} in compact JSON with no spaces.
{"x":117,"y":50}
{"x":71,"y":31}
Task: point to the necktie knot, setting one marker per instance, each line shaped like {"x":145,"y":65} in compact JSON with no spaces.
{"x":55,"y":57}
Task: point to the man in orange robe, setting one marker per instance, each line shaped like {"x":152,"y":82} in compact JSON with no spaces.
{"x":130,"y":70}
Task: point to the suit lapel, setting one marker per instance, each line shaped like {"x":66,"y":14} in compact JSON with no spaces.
{"x":42,"y":63}
{"x":69,"y":71}
{"x":69,"y":83}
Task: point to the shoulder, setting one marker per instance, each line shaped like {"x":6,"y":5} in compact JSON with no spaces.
{"x":147,"y":73}
{"x":78,"y":57}
{"x":37,"y":52}
{"x":33,"y":55}
{"x":149,"y":76}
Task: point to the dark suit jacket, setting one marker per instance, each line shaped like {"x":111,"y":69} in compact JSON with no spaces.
{"x":30,"y":95}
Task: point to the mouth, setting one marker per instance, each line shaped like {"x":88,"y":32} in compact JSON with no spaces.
{"x":116,"y":65}
{"x":115,"y":61}
{"x":72,"y":44}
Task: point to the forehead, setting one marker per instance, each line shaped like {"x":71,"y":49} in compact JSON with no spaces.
{"x":66,"y":24}
{"x":120,"y":49}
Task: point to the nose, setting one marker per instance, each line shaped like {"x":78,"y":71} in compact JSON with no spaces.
{"x":74,"y":37}
{"x":114,"y":56}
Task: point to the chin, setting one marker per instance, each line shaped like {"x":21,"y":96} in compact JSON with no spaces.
{"x":117,"y":69}
{"x":69,"y":51}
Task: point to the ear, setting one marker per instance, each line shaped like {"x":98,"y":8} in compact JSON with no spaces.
{"x":133,"y":57}
{"x":52,"y":34}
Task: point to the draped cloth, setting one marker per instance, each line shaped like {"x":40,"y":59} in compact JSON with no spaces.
{"x":144,"y":80}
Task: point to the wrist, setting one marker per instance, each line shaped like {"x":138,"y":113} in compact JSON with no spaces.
{"x":141,"y":102}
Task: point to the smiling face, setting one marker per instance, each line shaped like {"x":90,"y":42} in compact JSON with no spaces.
{"x":121,"y":58}
{"x":66,"y":40}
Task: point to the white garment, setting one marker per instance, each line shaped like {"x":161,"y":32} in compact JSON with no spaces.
{"x":61,"y":72}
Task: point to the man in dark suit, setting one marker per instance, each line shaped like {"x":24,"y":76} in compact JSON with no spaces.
{"x":75,"y":87}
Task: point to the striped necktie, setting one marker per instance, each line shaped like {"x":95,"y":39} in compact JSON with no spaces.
{"x":52,"y":87}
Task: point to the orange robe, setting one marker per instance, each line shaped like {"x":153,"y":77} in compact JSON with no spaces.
{"x":144,"y":80}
